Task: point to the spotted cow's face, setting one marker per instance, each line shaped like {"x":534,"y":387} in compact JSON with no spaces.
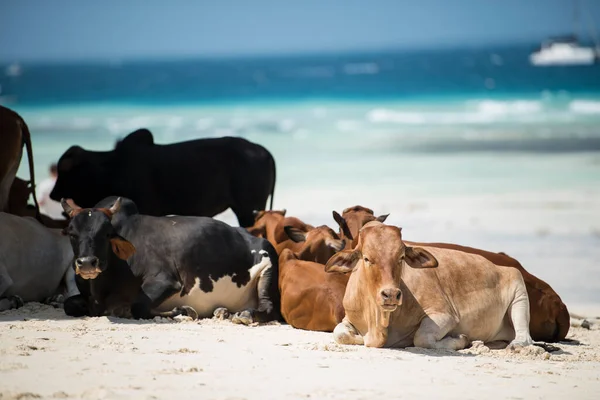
{"x":93,"y":238}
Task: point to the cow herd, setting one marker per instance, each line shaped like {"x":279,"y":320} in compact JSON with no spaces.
{"x":139,"y":241}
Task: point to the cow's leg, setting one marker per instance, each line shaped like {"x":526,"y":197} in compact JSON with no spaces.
{"x":433,"y":330}
{"x":7,"y":302}
{"x":267,"y":288}
{"x":244,"y":214}
{"x":519,"y":315}
{"x":154,"y":292}
{"x":77,"y":306}
{"x":346,"y":333}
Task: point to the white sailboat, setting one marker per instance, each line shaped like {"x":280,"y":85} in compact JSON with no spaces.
{"x":566,"y":50}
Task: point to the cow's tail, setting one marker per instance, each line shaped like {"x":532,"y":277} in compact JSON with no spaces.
{"x":28,"y":147}
{"x":274,"y":179}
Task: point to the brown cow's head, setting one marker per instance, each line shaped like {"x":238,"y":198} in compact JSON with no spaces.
{"x":354,"y":218}
{"x":378,"y":262}
{"x":320,"y":243}
{"x":93,"y":237}
{"x":264,"y":220}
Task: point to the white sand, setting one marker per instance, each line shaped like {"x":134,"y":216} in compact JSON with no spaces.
{"x":45,"y":354}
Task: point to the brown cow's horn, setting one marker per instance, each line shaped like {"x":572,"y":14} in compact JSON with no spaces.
{"x":115,"y":207}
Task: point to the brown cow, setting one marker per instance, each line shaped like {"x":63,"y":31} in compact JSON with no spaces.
{"x":20,"y":191}
{"x":270,"y":225}
{"x":400,"y":296}
{"x":311,"y":299}
{"x":550,"y":319}
{"x":13,"y":133}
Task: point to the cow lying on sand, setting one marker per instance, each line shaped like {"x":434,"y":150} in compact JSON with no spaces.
{"x":132,"y":264}
{"x":33,"y":262}
{"x":549,"y":315}
{"x":400,"y":296}
{"x":311,"y":299}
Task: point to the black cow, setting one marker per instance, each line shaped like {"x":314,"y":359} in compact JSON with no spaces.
{"x":200,"y":177}
{"x":129,"y":264}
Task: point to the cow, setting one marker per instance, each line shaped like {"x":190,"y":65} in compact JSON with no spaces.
{"x":271,"y":224}
{"x":352,"y":219}
{"x":134,"y":265}
{"x":311,"y":299}
{"x":14,"y":133}
{"x":428,"y":297}
{"x":200,"y":177}
{"x":17,"y":204}
{"x":549,"y":315}
{"x":34,"y":261}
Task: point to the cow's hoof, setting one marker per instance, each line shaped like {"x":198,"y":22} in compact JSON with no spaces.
{"x":56,"y":301}
{"x":76,"y":306}
{"x":189,"y":311}
{"x":16,"y":301}
{"x":221,"y":313}
{"x":243,"y":317}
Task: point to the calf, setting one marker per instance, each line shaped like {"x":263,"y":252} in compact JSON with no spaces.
{"x":549,"y":315}
{"x":34,"y":260}
{"x":311,"y":299}
{"x":144,"y":266}
{"x":400,"y":296}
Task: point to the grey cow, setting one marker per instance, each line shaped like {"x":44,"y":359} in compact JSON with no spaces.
{"x":33,"y":261}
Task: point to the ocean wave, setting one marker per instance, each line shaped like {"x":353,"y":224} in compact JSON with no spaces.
{"x":585,"y":106}
{"x":486,"y":112}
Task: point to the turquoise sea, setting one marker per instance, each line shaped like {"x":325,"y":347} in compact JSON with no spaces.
{"x":473,"y":146}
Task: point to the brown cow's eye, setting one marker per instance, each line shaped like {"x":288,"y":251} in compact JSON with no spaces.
{"x":367,"y":260}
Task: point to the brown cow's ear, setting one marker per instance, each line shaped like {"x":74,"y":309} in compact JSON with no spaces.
{"x":382,"y":218}
{"x":343,"y":261}
{"x":121,"y":247}
{"x":417,"y":257}
{"x":295,"y":234}
{"x":343,"y":225}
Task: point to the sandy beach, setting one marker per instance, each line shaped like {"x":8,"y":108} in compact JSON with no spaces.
{"x":46,"y":354}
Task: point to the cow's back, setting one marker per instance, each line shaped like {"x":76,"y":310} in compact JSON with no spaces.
{"x":198,"y":177}
{"x":468,"y":286}
{"x":34,"y":257}
{"x":550,"y":320}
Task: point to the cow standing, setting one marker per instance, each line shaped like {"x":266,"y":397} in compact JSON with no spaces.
{"x":198,"y":178}
{"x":14,"y":133}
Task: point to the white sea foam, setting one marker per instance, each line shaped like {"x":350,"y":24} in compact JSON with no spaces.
{"x":585,"y":107}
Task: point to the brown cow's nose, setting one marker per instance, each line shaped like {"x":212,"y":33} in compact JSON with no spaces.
{"x":87,"y":261}
{"x":391,"y":296}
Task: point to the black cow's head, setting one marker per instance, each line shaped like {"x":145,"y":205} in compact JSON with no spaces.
{"x":82,"y":176}
{"x":93,"y":237}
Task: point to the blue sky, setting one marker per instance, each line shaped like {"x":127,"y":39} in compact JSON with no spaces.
{"x":118,"y":29}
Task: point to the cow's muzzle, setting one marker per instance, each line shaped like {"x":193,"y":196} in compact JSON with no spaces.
{"x":390,"y":298}
{"x":87,"y":267}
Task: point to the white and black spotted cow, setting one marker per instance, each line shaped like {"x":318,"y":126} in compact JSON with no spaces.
{"x":128,"y":264}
